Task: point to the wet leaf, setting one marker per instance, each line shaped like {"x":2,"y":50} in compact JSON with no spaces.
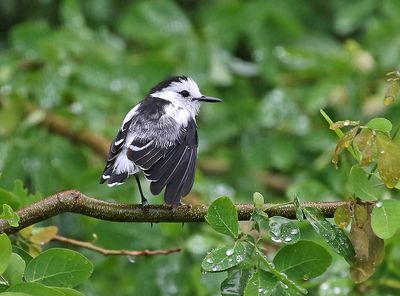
{"x":388,"y":160}
{"x":342,"y":216}
{"x":364,"y":142}
{"x":380,"y":124}
{"x":284,"y":290}
{"x":344,"y":142}
{"x":236,"y":282}
{"x":224,"y":258}
{"x":261,"y":283}
{"x":283,"y":230}
{"x":222,"y":217}
{"x":303,"y":260}
{"x":385,"y":219}
{"x":333,"y":235}
{"x":368,"y":247}
{"x":362,"y":187}
{"x":344,"y":123}
{"x":261,"y":220}
{"x":299,"y":212}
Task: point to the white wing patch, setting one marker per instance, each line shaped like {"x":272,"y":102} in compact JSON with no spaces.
{"x":135,"y":148}
{"x":119,"y":142}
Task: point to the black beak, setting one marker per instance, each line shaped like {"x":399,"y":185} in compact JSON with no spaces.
{"x":208,"y":99}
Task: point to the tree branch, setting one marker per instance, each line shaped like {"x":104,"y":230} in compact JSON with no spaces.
{"x":76,"y":202}
{"x":108,"y":252}
{"x":58,"y":125}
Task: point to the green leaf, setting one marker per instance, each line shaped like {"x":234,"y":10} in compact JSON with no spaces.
{"x":388,"y":160}
{"x":9,"y":198}
{"x":385,"y":219}
{"x":283,"y":230}
{"x":222,"y":217}
{"x":15,"y":294}
{"x":261,"y":283}
{"x":285,"y":290}
{"x":15,"y":270}
{"x":261,"y":219}
{"x":22,"y":253}
{"x":380,"y":124}
{"x":333,"y":235}
{"x":303,"y":260}
{"x":362,"y":188}
{"x":5,"y":252}
{"x":34,"y":289}
{"x":299,"y":212}
{"x":223,"y":258}
{"x":68,"y":291}
{"x":9,"y":214}
{"x":236,"y":282}
{"x":258,"y":200}
{"x":59,"y":267}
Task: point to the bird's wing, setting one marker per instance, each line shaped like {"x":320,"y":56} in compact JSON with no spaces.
{"x":110,"y":174}
{"x":172,"y":167}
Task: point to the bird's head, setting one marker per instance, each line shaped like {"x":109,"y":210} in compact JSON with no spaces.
{"x":183,"y":92}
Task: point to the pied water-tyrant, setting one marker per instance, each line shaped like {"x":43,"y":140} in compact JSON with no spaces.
{"x":159,"y":138}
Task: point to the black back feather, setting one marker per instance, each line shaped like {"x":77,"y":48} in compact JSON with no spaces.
{"x":171,"y":167}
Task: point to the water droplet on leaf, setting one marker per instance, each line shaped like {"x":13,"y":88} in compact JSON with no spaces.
{"x":229,"y":252}
{"x":131,"y":259}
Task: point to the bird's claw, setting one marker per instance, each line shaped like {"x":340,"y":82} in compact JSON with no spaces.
{"x":145,"y":203}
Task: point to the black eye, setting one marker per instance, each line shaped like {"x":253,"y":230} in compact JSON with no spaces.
{"x":185,"y":93}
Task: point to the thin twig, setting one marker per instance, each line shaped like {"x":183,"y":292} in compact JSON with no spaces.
{"x":108,"y":252}
{"x":76,"y":202}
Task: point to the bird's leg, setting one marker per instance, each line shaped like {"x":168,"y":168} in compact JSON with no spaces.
{"x":143,"y":199}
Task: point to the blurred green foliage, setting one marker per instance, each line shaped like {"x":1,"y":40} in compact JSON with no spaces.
{"x":275,"y":64}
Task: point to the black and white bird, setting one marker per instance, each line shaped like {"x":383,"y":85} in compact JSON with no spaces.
{"x":159,"y":138}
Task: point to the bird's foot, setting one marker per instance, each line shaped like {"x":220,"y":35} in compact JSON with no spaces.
{"x":188,"y":206}
{"x":145,"y":203}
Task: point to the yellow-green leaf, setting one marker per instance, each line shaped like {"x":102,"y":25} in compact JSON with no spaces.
{"x":385,"y":219}
{"x":342,"y":216}
{"x":42,"y":235}
{"x":364,"y":142}
{"x":368,"y":247}
{"x":362,"y":187}
{"x":344,"y":142}
{"x":388,"y":160}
